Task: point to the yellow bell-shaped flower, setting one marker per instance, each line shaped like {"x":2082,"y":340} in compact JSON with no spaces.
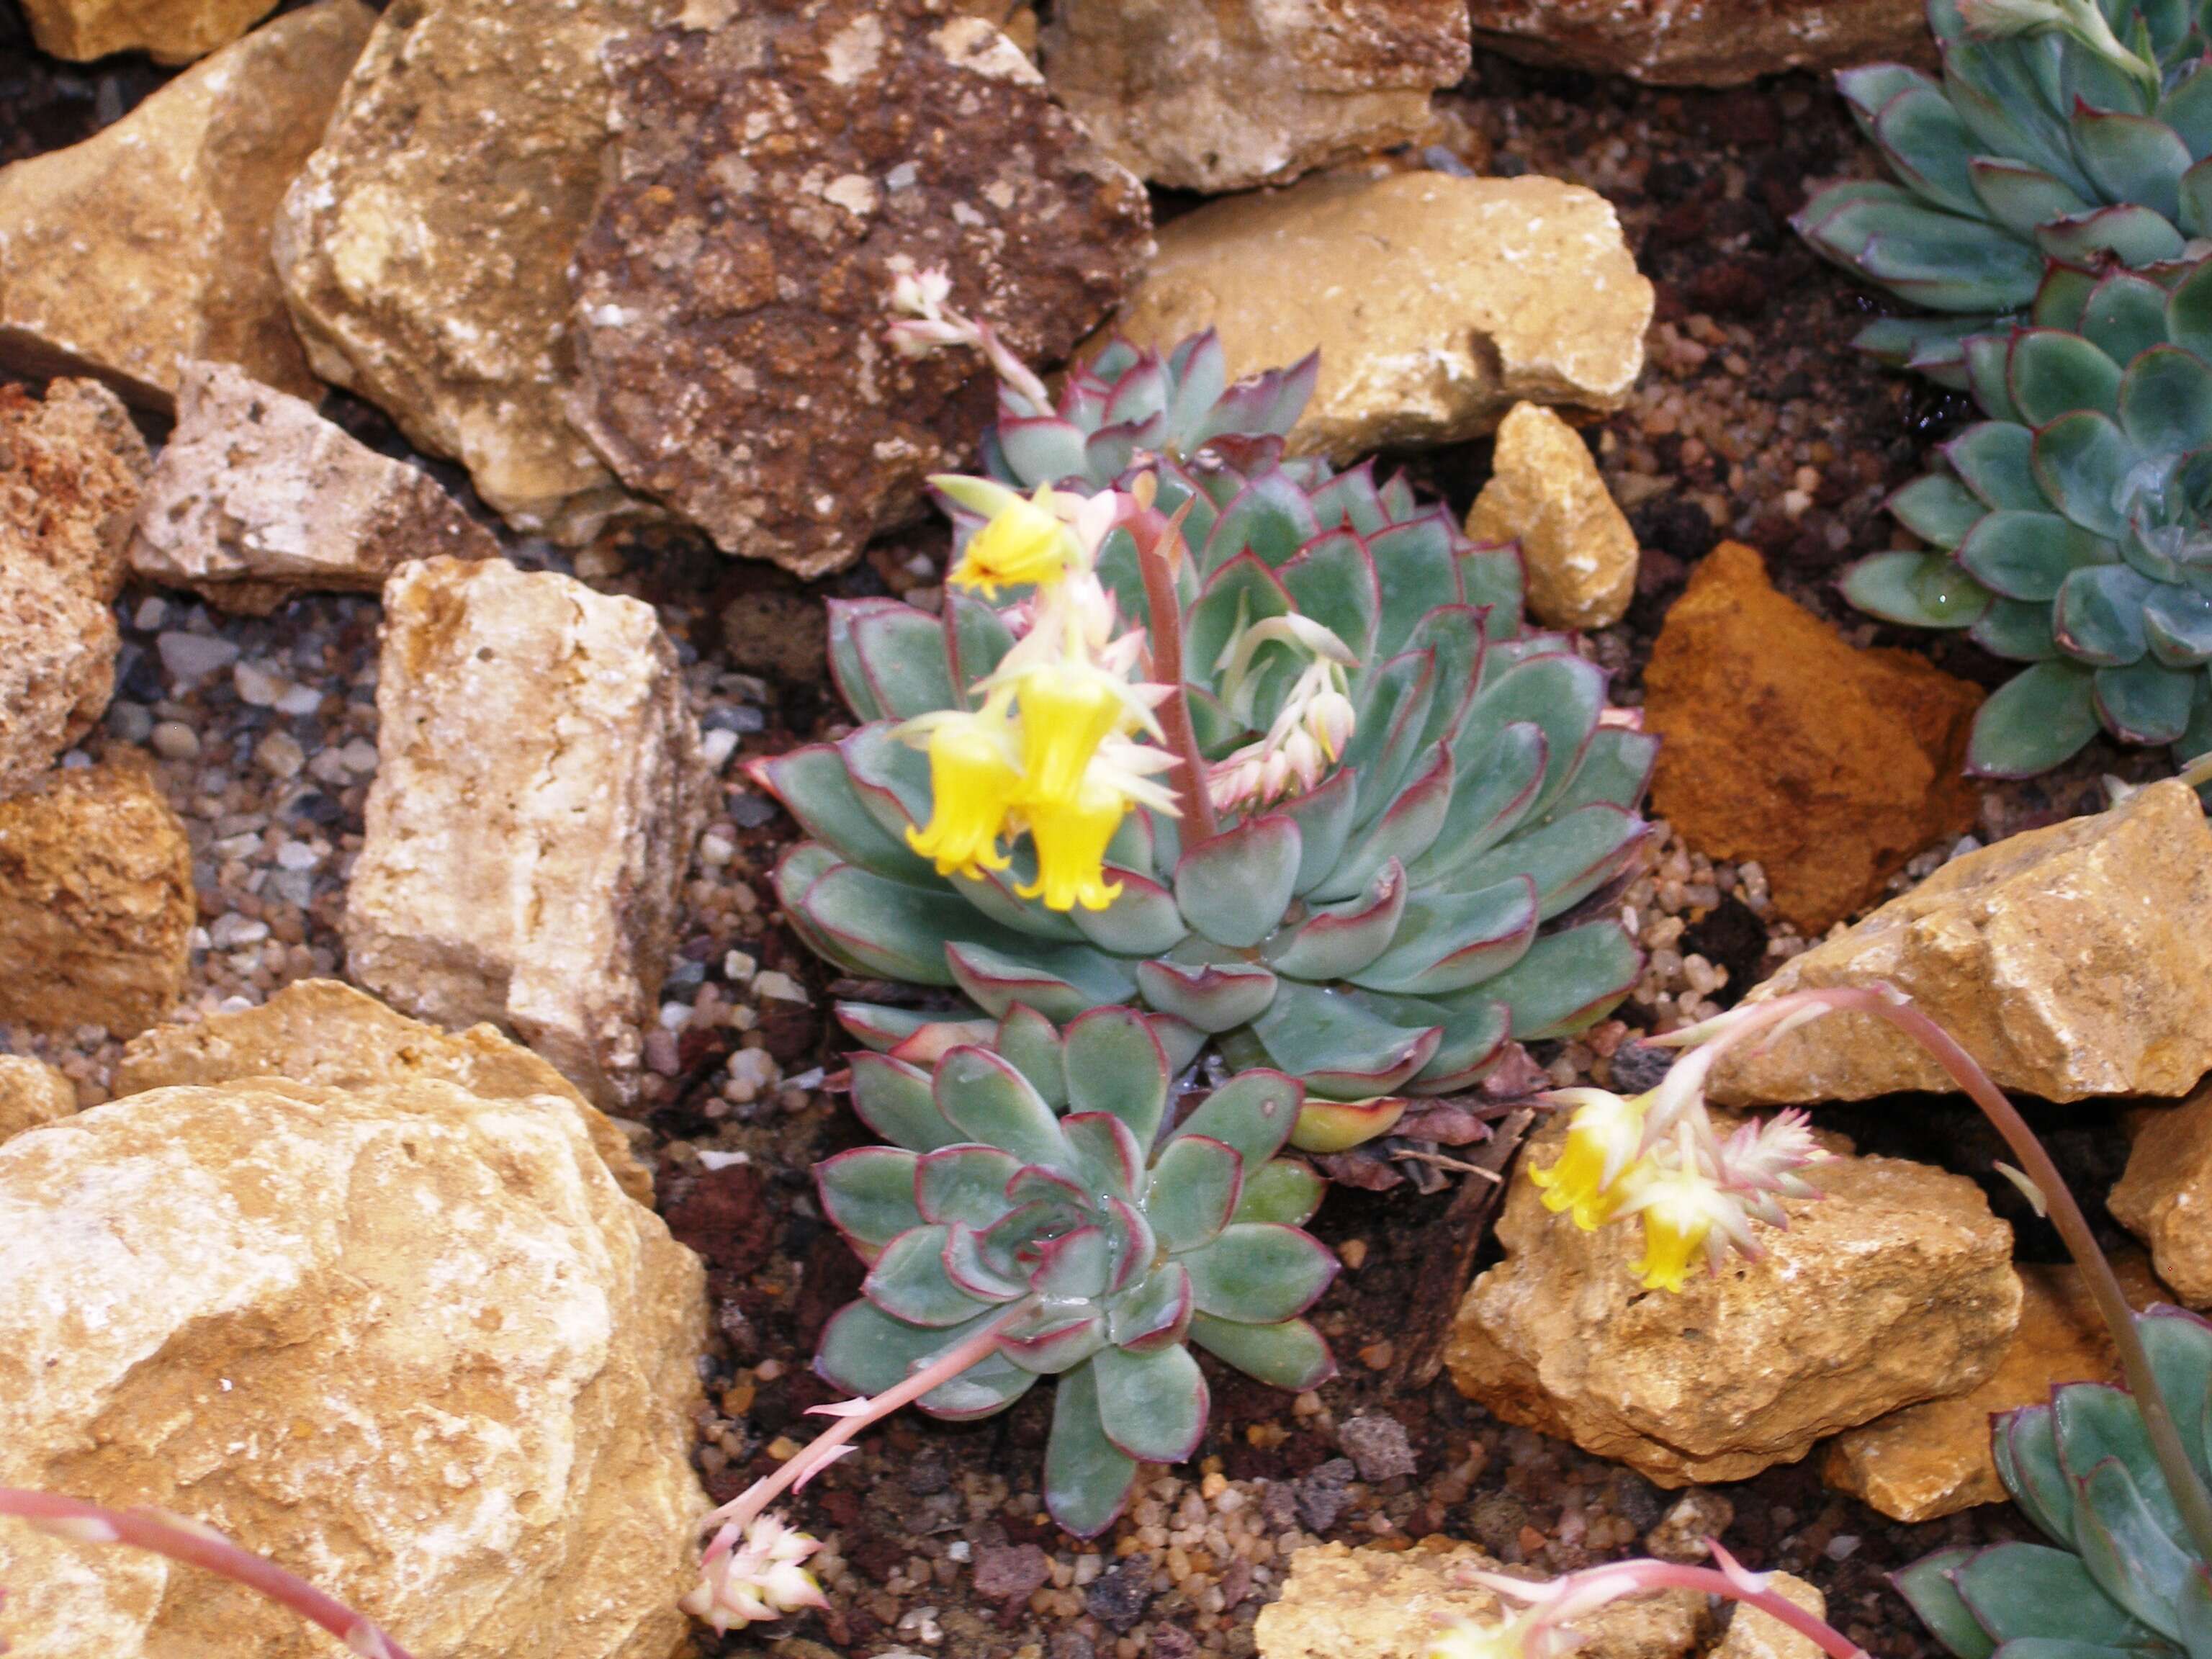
{"x":1023,"y":543}
{"x":1679,"y":1208}
{"x":972,"y":783}
{"x":1071,"y":840}
{"x":1603,"y":1138}
{"x":1067,"y":710}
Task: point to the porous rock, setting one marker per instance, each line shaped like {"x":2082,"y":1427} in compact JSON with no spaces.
{"x":1223,"y":94}
{"x":1753,"y":1634}
{"x":1895,"y":1288}
{"x":149,"y":242}
{"x":413,"y":1344}
{"x":1830,"y":765}
{"x":1340,"y":1602}
{"x":425,"y":245}
{"x":1546,"y":493}
{"x":2165,"y":1195}
{"x":32,"y":1093}
{"x":96,"y":906}
{"x":768,"y":181}
{"x":327,"y":1033}
{"x":168,"y":31}
{"x":539,"y":788}
{"x":71,"y":468}
{"x":1933,"y":1459}
{"x":256,"y":498}
{"x":2071,"y":961}
{"x":1437,"y":302}
{"x":1704,"y":43}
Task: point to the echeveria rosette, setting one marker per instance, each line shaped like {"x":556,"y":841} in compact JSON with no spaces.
{"x":1040,"y":1175}
{"x":1389,"y":930}
{"x":2031,"y":146}
{"x":2119,"y":1579}
{"x":2075,"y":523}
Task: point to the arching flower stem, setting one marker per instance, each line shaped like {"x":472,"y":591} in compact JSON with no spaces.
{"x":1159,"y":550}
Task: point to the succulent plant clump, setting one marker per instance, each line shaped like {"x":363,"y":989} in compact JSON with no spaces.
{"x":2065,"y":129}
{"x":1407,"y":795}
{"x":2074,"y":526}
{"x":1037,"y":1191}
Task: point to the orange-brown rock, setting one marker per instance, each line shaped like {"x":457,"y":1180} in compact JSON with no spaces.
{"x":1704,"y":42}
{"x":96,"y":908}
{"x":32,"y":1093}
{"x":2165,"y":1197}
{"x":1829,"y":765}
{"x":168,"y":31}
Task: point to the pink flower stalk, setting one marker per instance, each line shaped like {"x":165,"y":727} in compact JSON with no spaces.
{"x":198,"y":1546}
{"x":930,"y":325}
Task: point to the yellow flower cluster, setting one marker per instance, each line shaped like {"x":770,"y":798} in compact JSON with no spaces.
{"x":1056,"y":749}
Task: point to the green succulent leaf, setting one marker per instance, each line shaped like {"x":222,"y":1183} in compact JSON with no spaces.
{"x":1214,"y":997}
{"x":2027,"y":555}
{"x":1567,"y":979}
{"x":1937,"y":508}
{"x":2099,"y":614}
{"x":1253,"y":1114}
{"x":1283,"y":1191}
{"x":1994,"y":459}
{"x":2082,"y":461}
{"x":2053,"y":374}
{"x":2132,"y":158}
{"x":2039,"y":717}
{"x":868,"y":1195}
{"x":1927,"y":1586}
{"x":1115,"y":1066}
{"x":1155,"y":1313}
{"x":2018,"y":630}
{"x":982,"y":1094}
{"x":1153,"y":1406}
{"x":1260,"y":1273}
{"x":2029,"y":1591}
{"x":1340,"y":1047}
{"x":1290,"y":1355}
{"x":1920,"y":590}
{"x":1195,"y":1184}
{"x":2146,"y":701}
{"x":1087,"y":1478}
{"x":893,"y":1099}
{"x":1233,"y":888}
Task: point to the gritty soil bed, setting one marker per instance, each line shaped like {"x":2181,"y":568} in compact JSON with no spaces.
{"x":1754,"y":420}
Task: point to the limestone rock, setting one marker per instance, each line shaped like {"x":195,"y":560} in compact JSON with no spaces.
{"x":71,"y":468}
{"x":1340,"y":1602}
{"x":767,"y":182}
{"x":539,"y":788}
{"x":1933,"y":1459}
{"x":32,"y":1094}
{"x":1223,"y":95}
{"x":96,"y":906}
{"x":1545,"y":492}
{"x":2071,"y":961}
{"x":425,"y":246}
{"x":1895,"y":1288}
{"x":149,"y":243}
{"x":1704,"y":43}
{"x":2165,"y":1195}
{"x":168,"y":31}
{"x":415,"y":1345}
{"x":1437,"y":302}
{"x":1830,"y":765}
{"x":256,"y":498}
{"x":1756,"y":1634}
{"x":323,"y":1032}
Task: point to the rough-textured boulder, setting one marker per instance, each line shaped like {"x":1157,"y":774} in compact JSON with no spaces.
{"x":71,"y":468}
{"x":1753,"y":1634}
{"x":1438,"y":302}
{"x":413,"y":1344}
{"x":32,"y":1094}
{"x":425,"y":246}
{"x":1546,"y":493}
{"x":1933,"y":1459}
{"x":168,"y":31}
{"x":1704,"y":43}
{"x":766,"y":183}
{"x":1895,"y":1288}
{"x":2071,"y":961}
{"x":1830,"y":765}
{"x":323,"y":1032}
{"x":96,"y":906}
{"x":1223,"y":94}
{"x":2165,"y":1197}
{"x":256,"y":498}
{"x":539,"y":788}
{"x":1340,"y":1602}
{"x":149,"y":243}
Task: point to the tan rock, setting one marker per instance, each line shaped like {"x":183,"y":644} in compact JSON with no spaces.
{"x":1753,"y":1634}
{"x":425,"y":246}
{"x":256,"y":498}
{"x":69,"y":472}
{"x":1545,"y":492}
{"x":168,"y":31}
{"x":539,"y":788}
{"x":2072,"y":961}
{"x":32,"y":1094}
{"x":1437,"y":302}
{"x":415,"y":1345}
{"x":149,"y":242}
{"x":1933,"y":1459}
{"x":323,"y":1032}
{"x":1896,"y":1287}
{"x":1704,"y":43}
{"x":1829,"y":765}
{"x":96,"y":906}
{"x":1223,"y":95}
{"x":1340,"y":1602}
{"x":2165,"y":1196}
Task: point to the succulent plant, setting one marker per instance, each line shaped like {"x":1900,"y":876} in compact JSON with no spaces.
{"x":1390,"y":929}
{"x":2120,"y":1575}
{"x":1040,"y":1183}
{"x":2075,"y":523}
{"x":2058,"y":130}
